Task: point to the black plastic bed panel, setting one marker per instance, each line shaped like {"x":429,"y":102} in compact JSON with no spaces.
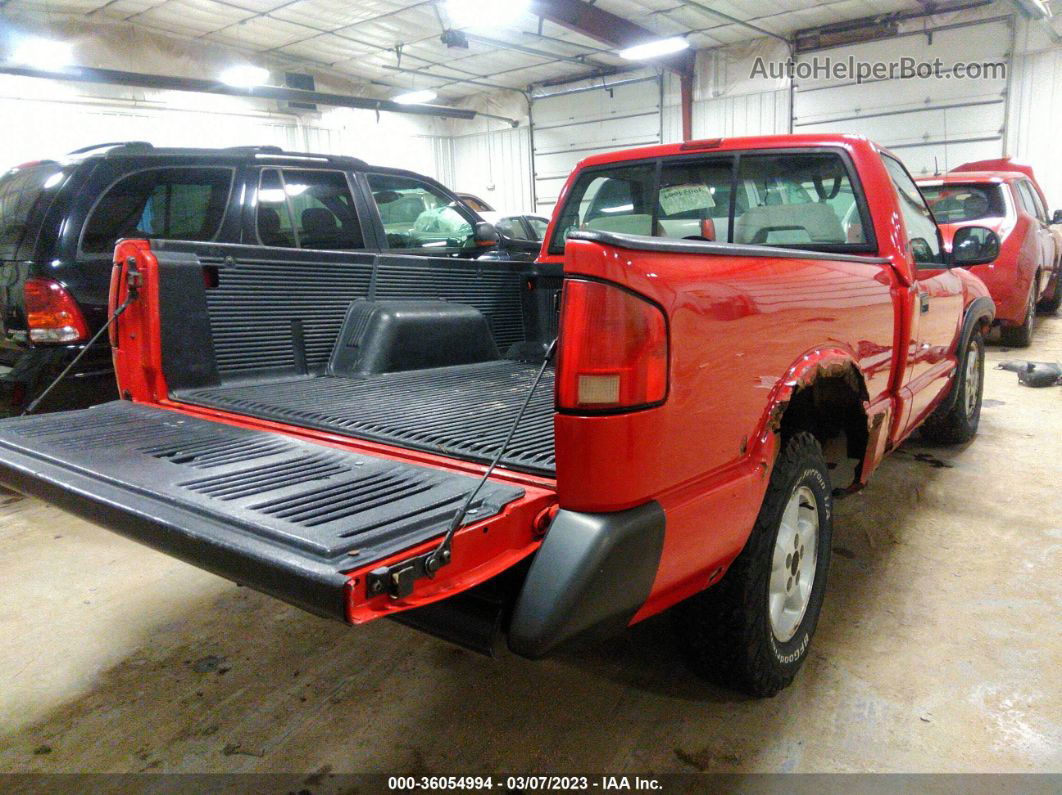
{"x":278,"y":514}
{"x":273,"y":312}
{"x":462,"y":411}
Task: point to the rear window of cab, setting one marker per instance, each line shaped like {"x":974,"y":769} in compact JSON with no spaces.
{"x":955,"y":203}
{"x":792,"y":199}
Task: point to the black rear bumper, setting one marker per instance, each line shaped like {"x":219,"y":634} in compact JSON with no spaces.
{"x":280,"y":515}
{"x":25,"y":372}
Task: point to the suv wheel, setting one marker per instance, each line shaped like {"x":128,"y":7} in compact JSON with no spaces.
{"x":752,"y":630}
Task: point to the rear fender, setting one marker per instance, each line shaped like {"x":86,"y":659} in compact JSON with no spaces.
{"x":832,"y":363}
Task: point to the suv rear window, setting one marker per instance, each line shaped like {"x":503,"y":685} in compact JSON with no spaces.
{"x":954,"y":203}
{"x":162,"y":203}
{"x":24,"y":193}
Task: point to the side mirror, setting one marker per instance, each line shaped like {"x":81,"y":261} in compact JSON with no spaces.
{"x":974,"y":245}
{"x":1057,"y":217}
{"x":484,"y":234}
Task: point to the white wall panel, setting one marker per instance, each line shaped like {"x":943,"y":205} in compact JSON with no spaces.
{"x":934,"y":122}
{"x":496,"y":166}
{"x":1036,"y":118}
{"x":568,"y":127}
{"x":45,"y":119}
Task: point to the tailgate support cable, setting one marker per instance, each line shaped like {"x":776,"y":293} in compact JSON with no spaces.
{"x":397,"y":579}
{"x":133,"y":284}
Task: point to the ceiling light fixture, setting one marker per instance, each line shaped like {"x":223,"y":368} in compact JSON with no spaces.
{"x":245,"y":76}
{"x":654,"y":49}
{"x":415,"y":97}
{"x":477,"y":14}
{"x":41,"y":53}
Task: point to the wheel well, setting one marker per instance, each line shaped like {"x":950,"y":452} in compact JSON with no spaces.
{"x":831,"y":408}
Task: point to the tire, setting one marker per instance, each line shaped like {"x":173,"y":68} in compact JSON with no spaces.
{"x":1048,"y":306}
{"x":1021,"y":336}
{"x":959,"y":423}
{"x":729,"y":632}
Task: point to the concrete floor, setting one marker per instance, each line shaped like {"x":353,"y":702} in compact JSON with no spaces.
{"x":939,"y":649}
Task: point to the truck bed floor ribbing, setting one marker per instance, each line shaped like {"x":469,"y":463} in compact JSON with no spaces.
{"x":462,"y":411}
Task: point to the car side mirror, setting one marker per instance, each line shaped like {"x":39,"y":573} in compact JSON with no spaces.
{"x":484,"y":234}
{"x":1057,"y":217}
{"x":974,"y":245}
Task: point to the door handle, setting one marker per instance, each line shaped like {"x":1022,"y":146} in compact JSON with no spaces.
{"x":923,"y":302}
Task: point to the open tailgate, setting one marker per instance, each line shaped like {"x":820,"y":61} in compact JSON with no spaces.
{"x":288,"y":517}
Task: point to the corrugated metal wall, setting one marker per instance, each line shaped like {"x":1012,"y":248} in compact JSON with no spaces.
{"x":47,"y":119}
{"x":1036,"y":118}
{"x":496,"y":166}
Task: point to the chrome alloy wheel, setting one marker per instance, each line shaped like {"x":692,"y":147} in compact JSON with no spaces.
{"x":793,"y":567}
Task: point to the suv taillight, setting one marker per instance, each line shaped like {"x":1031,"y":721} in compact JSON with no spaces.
{"x":613,"y":349}
{"x":52,"y":315}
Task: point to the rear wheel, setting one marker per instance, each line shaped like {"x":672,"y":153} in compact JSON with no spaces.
{"x":1021,"y":336}
{"x":752,"y":630}
{"x":959,"y":423}
{"x":1049,"y":306}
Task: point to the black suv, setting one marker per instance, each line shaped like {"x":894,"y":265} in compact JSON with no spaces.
{"x":59,"y":221}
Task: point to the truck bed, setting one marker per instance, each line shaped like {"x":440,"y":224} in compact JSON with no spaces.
{"x":463,"y":411}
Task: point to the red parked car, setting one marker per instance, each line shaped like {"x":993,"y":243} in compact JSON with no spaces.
{"x":1025,"y":276}
{"x":743,"y":329}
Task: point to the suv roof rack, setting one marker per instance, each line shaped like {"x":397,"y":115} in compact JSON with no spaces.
{"x":265,"y":149}
{"x":122,"y":148}
{"x":112,"y":144}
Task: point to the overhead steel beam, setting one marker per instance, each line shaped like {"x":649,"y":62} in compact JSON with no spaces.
{"x":117,"y":77}
{"x":589,"y":20}
{"x":505,"y":45}
{"x":596,"y":23}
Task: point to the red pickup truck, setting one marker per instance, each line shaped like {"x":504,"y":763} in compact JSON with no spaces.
{"x":1005,"y":197}
{"x":746,"y":327}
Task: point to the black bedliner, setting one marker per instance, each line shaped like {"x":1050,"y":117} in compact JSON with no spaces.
{"x":282,"y":515}
{"x":463,"y":411}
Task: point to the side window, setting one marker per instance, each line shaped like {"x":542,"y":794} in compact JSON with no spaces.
{"x":694,"y":199}
{"x":616,"y":200}
{"x":797,"y":199}
{"x":512,"y":227}
{"x":922,"y":235}
{"x":538,"y":226}
{"x":165,"y":203}
{"x":307,"y":209}
{"x":273,"y":218}
{"x":416,"y":214}
{"x":1032,"y":201}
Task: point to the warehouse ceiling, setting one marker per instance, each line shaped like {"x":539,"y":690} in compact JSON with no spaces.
{"x":397,"y":42}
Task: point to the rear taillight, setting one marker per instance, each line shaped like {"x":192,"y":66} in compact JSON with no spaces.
{"x":613,"y":349}
{"x":52,"y":315}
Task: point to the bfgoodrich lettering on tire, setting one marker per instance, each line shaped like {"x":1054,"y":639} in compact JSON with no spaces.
{"x":752,"y":630}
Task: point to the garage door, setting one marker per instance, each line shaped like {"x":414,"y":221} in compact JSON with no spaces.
{"x":934,"y":123}
{"x":570,"y":125}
